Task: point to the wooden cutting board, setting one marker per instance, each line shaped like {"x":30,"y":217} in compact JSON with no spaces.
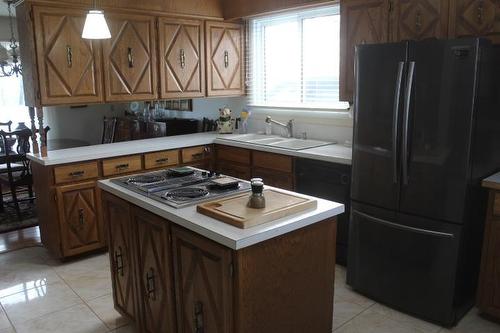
{"x":234,"y":210}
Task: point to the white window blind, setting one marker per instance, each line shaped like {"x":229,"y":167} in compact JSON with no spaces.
{"x":293,"y":59}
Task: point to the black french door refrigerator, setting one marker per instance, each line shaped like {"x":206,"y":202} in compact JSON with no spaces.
{"x":426,"y":131}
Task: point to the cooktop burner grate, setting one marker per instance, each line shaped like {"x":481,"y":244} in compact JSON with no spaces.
{"x":186,"y":193}
{"x":146,"y":179}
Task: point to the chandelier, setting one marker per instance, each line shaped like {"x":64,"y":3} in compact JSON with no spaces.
{"x":9,"y":59}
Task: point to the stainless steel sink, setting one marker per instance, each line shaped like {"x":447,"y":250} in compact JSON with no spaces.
{"x":277,"y":141}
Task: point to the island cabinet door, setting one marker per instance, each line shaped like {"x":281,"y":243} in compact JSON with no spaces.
{"x":122,"y":263}
{"x":80,"y":218}
{"x":155,"y":281}
{"x":203,"y":284}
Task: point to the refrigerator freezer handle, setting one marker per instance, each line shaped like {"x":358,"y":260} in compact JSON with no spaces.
{"x":406,"y":120}
{"x":395,"y":118}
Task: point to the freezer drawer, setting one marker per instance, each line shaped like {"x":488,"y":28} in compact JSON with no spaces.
{"x":406,"y":262}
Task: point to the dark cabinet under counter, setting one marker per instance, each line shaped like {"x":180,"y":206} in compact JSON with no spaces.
{"x":330,"y":181}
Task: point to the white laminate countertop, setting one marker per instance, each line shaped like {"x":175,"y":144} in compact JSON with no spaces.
{"x":336,"y":153}
{"x":220,"y":232}
{"x":492,"y":181}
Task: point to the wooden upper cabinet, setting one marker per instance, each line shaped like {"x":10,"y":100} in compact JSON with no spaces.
{"x":80,"y":218}
{"x":130,"y":58}
{"x":475,"y":18}
{"x":182,"y":65}
{"x":419,"y":19}
{"x":362,"y":21}
{"x":69,"y":67}
{"x":225,"y":68}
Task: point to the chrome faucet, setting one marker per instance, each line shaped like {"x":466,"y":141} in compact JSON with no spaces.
{"x":288,"y":126}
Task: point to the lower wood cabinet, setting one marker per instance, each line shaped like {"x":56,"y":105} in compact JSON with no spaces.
{"x":121,"y":250}
{"x":203,"y":283}
{"x":489,"y":279}
{"x":275,"y":169}
{"x":169,"y":279}
{"x":153,"y":272}
{"x":80,"y":218}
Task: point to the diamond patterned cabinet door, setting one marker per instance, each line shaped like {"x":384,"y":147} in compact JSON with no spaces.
{"x":182,"y":66}
{"x":121,"y":248}
{"x":79,"y":218}
{"x":475,"y":18}
{"x":130,"y":58}
{"x":363,"y":21}
{"x":69,"y":66}
{"x":225,"y":67}
{"x":419,"y":19}
{"x":203,"y":283}
{"x":154,"y":272}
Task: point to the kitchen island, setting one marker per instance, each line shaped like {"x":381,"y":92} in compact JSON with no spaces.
{"x":175,"y":270}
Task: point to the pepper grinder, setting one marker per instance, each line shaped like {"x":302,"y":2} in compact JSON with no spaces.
{"x":257,"y":199}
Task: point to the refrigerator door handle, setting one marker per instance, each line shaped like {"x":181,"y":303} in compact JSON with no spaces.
{"x":406,"y":122}
{"x":404,"y":227}
{"x":395,"y":117}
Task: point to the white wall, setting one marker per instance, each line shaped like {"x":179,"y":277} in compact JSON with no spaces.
{"x":86,"y":123}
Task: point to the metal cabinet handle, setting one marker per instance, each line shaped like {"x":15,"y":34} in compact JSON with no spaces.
{"x":480,"y":11}
{"x":69,"y":56}
{"x":122,"y":166}
{"x":81,"y":217}
{"x":418,"y":21}
{"x":197,"y":156}
{"x":77,"y":173}
{"x":119,"y":261}
{"x":226,"y":59}
{"x":150,"y":284}
{"x":198,"y":317}
{"x":207,"y":149}
{"x":182,"y":58}
{"x":162,"y":160}
{"x":130,"y":58}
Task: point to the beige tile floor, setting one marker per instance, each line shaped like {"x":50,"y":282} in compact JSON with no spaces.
{"x":39,"y":294}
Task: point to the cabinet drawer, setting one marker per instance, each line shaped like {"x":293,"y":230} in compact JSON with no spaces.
{"x":121,"y":165}
{"x":195,"y":154}
{"x":234,"y":170}
{"x":76,"y":172}
{"x":233,"y":154}
{"x":274,"y":178}
{"x":161,"y":159}
{"x":272,"y":161}
{"x":496,"y":204}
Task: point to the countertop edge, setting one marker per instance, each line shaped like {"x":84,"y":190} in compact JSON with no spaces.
{"x":283,"y":226}
{"x":90,"y":153}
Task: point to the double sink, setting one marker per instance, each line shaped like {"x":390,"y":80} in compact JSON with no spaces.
{"x":277,"y":141}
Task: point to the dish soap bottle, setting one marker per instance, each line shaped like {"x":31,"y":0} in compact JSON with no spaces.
{"x":257,"y":199}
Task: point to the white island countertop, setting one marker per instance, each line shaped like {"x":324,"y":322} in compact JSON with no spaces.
{"x":492,"y":181}
{"x":336,"y":153}
{"x":220,"y":232}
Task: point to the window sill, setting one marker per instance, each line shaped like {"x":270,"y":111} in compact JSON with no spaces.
{"x":309,"y":116}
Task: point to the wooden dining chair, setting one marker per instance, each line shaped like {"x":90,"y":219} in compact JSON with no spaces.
{"x":109,"y":130}
{"x":16,"y":178}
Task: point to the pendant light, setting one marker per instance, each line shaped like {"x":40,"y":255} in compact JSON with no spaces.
{"x":95,"y":25}
{"x":9,"y":59}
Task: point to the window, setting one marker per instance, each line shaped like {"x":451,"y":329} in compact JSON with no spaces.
{"x":12,"y":99}
{"x":294,"y":59}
